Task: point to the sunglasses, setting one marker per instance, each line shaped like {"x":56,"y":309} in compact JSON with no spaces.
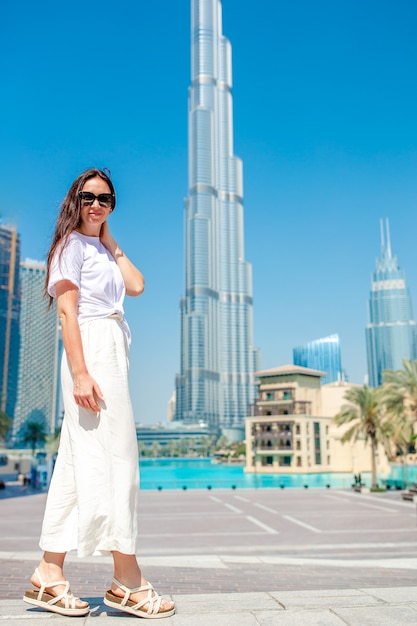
{"x":105,"y":200}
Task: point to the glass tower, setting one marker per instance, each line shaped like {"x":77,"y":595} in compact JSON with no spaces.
{"x":215,"y":384}
{"x":391,"y":332}
{"x":9,"y":317}
{"x":37,"y":385}
{"x":321,"y":354}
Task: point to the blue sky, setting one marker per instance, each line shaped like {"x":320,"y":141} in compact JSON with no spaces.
{"x":325,"y":102}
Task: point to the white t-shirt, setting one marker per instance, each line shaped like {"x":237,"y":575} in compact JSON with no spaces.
{"x":88,"y":265}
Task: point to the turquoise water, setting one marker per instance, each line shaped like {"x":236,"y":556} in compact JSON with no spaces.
{"x":202,"y":473}
{"x":403,"y":475}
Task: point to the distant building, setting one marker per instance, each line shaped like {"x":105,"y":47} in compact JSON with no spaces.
{"x":37,"y":389}
{"x":391,"y":334}
{"x":173,"y":433}
{"x":321,"y":354}
{"x":290,"y":428}
{"x":9,"y":317}
{"x":171,"y":408}
{"x":218,"y":359}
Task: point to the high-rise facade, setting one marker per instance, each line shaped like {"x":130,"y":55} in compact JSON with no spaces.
{"x":391,"y":332}
{"x":215,"y":384}
{"x":9,"y":316}
{"x":37,"y":386}
{"x":321,"y":354}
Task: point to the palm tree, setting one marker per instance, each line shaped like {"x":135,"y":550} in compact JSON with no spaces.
{"x":183,"y":446}
{"x":204,"y":445}
{"x":34,"y":432}
{"x":401,"y":388}
{"x":156,"y":449}
{"x":366,"y":412}
{"x":5,"y":424}
{"x":172,"y":448}
{"x":400,"y":393}
{"x":402,"y":422}
{"x":191,"y":446}
{"x":222,"y":442}
{"x":52,"y":442}
{"x":239,"y":449}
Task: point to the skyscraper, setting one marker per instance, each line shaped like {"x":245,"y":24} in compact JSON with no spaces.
{"x":215,"y":384}
{"x":37,"y":386}
{"x":322,"y":354}
{"x":391,"y":332}
{"x":9,"y":316}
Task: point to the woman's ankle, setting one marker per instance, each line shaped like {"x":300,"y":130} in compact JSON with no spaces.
{"x":48,"y":572}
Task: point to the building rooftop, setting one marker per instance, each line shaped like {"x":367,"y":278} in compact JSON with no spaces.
{"x":284,"y":370}
{"x":341,"y":383}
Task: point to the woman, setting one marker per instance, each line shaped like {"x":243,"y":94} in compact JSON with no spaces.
{"x":91,"y":503}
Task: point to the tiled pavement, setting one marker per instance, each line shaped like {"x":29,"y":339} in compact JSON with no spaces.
{"x":238,"y":558}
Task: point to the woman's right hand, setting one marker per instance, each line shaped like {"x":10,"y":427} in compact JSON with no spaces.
{"x":87,"y":393}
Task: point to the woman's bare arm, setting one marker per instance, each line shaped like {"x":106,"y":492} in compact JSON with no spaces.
{"x":86,"y":390}
{"x":133,"y":278}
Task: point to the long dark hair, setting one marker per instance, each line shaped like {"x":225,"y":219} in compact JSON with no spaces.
{"x":69,"y":217}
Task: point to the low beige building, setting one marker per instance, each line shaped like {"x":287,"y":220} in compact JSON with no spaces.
{"x":290,"y":428}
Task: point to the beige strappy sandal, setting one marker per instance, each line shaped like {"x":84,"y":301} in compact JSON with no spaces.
{"x":64,"y":603}
{"x":153,"y":600}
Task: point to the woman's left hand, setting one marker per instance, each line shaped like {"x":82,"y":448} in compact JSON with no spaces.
{"x":106,"y":238}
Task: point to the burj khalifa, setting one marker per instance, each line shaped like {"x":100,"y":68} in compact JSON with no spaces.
{"x":218,"y":359}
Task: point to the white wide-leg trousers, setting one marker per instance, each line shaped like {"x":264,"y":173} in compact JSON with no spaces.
{"x":91,"y":504}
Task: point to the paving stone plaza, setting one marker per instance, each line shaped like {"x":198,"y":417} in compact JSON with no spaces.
{"x":240,"y":558}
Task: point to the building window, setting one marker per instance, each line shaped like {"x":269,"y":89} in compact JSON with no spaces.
{"x":285,"y":461}
{"x":298,"y":445}
{"x":297,"y":429}
{"x":317,"y":448}
{"x":328,"y":460}
{"x":269,"y":396}
{"x":298,"y":461}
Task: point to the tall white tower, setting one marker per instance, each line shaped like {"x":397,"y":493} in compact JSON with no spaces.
{"x":215,"y":384}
